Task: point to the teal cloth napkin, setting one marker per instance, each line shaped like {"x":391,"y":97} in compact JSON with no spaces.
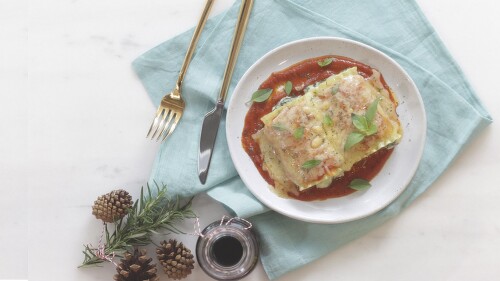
{"x":398,"y":28}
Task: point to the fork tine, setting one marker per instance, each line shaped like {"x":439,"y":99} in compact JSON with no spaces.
{"x":154,"y":123}
{"x":171,"y":113}
{"x":160,"y":127}
{"x":176,"y":121}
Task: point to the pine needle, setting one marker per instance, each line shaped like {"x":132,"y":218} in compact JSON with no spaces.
{"x":147,"y":216}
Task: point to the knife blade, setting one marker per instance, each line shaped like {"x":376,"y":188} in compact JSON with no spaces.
{"x":209,"y":131}
{"x":212,"y":119}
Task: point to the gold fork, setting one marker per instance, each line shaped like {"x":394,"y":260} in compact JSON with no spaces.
{"x":172,"y":105}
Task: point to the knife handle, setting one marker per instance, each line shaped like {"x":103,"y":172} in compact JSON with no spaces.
{"x":239,"y":32}
{"x":194,"y":40}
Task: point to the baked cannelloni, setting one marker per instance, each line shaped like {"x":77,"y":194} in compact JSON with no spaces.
{"x":311,"y":139}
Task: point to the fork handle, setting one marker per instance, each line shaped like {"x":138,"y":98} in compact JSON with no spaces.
{"x":239,"y":32}
{"x":192,"y":44}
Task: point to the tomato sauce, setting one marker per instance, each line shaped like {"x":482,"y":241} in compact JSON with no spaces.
{"x":309,"y":72}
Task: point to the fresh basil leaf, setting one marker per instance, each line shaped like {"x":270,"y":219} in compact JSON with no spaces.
{"x":359,"y":184}
{"x":288,"y":87}
{"x":372,"y":129}
{"x":261,"y":95}
{"x":325,"y":62}
{"x":360,"y":122}
{"x":298,"y":133}
{"x":371,"y":111}
{"x":327,"y":120}
{"x":311,"y":164}
{"x":279,"y":127}
{"x":352,"y":139}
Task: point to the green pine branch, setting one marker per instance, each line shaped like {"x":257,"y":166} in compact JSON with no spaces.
{"x":149,"y":214}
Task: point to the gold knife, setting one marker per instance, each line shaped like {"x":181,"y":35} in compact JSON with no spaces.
{"x":212,"y":119}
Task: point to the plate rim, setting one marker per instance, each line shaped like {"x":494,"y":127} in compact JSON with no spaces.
{"x":409,"y":80}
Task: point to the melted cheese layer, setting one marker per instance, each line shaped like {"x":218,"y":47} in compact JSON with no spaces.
{"x":314,"y":128}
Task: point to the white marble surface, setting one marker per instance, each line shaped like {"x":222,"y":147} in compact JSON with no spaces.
{"x":73,"y":117}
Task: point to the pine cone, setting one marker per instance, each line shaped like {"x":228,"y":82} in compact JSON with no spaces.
{"x":112,"y":206}
{"x":176,"y":259}
{"x":136,"y":267}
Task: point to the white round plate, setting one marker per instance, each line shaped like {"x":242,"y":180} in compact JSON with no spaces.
{"x":399,"y":168}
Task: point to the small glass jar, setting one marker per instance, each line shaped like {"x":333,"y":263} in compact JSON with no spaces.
{"x":227,"y":249}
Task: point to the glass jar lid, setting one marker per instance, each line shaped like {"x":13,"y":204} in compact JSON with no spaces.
{"x":228,"y":249}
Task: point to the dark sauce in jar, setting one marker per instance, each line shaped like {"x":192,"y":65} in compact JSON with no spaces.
{"x":227,"y":251}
